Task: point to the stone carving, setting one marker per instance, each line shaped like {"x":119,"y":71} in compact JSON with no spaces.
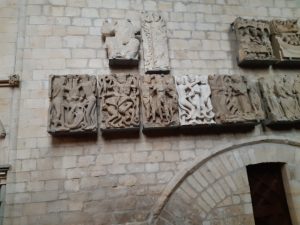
{"x":119,"y":101}
{"x":155,"y":43}
{"x":121,"y":42}
{"x":2,"y":130}
{"x":13,"y":81}
{"x":194,"y":100}
{"x":159,"y":101}
{"x":254,"y":46}
{"x":281,"y":97}
{"x":234,"y":100}
{"x":72,"y":104}
{"x":286,"y":41}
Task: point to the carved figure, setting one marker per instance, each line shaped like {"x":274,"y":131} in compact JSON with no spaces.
{"x":121,"y":42}
{"x":281,"y":98}
{"x":155,"y":43}
{"x":72,"y":104}
{"x":194,"y":100}
{"x":286,"y":41}
{"x":2,"y":130}
{"x":159,"y":101}
{"x":233,"y":100}
{"x":254,"y":46}
{"x":119,"y":101}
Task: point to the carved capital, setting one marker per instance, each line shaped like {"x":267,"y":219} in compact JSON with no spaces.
{"x":12,"y":81}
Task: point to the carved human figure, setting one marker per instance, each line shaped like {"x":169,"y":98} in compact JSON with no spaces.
{"x":155,"y":43}
{"x":159,"y":96}
{"x":254,"y":46}
{"x":72,"y":104}
{"x":121,"y":41}
{"x":194,"y":100}
{"x":119,"y":96}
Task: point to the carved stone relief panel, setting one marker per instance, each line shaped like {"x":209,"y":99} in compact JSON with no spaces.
{"x":121,"y":42}
{"x":286,"y":41}
{"x":119,"y":102}
{"x":194,"y":100}
{"x":155,"y":43}
{"x":159,"y":101}
{"x":281,"y":97}
{"x":254,"y":46}
{"x":73,"y":104}
{"x":234,"y":102}
{"x":2,"y":130}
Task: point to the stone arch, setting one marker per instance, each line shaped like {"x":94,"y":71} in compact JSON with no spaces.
{"x":199,"y":192}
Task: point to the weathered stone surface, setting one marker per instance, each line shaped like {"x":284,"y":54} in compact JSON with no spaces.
{"x":2,"y":130}
{"x":119,"y":101}
{"x":235,"y":101}
{"x":72,"y":104}
{"x":155,"y":43}
{"x":254,"y":46}
{"x":281,"y":97}
{"x":159,"y":101}
{"x":194,"y":100}
{"x":121,"y":42}
{"x":286,"y":41}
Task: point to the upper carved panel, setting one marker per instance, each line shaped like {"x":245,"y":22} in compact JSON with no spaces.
{"x":155,"y":43}
{"x":235,"y":100}
{"x":72,"y":104}
{"x":284,"y":26}
{"x":119,"y":101}
{"x":159,"y":101}
{"x":194,"y":100}
{"x":121,"y":42}
{"x":281,"y":97}
{"x":254,"y":46}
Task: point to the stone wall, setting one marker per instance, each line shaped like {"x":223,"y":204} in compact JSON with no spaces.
{"x":121,"y":180}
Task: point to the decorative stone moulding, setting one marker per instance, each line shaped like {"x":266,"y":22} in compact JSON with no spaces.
{"x":286,"y":42}
{"x":119,"y":102}
{"x":121,"y":42}
{"x":235,"y":100}
{"x":155,"y":44}
{"x":281,"y":96}
{"x":159,"y":101}
{"x":73,"y":104}
{"x":195,"y":107}
{"x":254,"y":46}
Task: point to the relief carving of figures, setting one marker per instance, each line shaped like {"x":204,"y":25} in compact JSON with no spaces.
{"x":281,"y":97}
{"x":159,"y":101}
{"x":286,"y":41}
{"x":119,"y":101}
{"x":72,"y":104}
{"x":231,"y":100}
{"x":155,"y":43}
{"x":194,"y":100}
{"x":121,"y":42}
{"x":254,"y":46}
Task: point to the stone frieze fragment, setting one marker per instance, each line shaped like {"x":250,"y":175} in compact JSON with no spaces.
{"x":155,"y":43}
{"x":73,"y":104}
{"x":234,"y":100}
{"x":119,"y":102}
{"x":253,"y":40}
{"x":195,"y":105}
{"x":121,"y":42}
{"x":159,"y":101}
{"x":281,"y":96}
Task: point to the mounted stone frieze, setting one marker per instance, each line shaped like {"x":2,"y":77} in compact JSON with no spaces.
{"x":73,"y":104}
{"x":159,"y":101}
{"x":194,"y":100}
{"x":234,"y":100}
{"x":121,"y":42}
{"x":119,"y":102}
{"x":286,"y":41}
{"x":281,"y":96}
{"x":254,"y":46}
{"x":155,"y":43}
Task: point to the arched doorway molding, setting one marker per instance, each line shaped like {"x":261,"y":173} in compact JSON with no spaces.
{"x":200,"y":161}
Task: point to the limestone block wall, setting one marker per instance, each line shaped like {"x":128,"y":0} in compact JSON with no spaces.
{"x":119,"y":180}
